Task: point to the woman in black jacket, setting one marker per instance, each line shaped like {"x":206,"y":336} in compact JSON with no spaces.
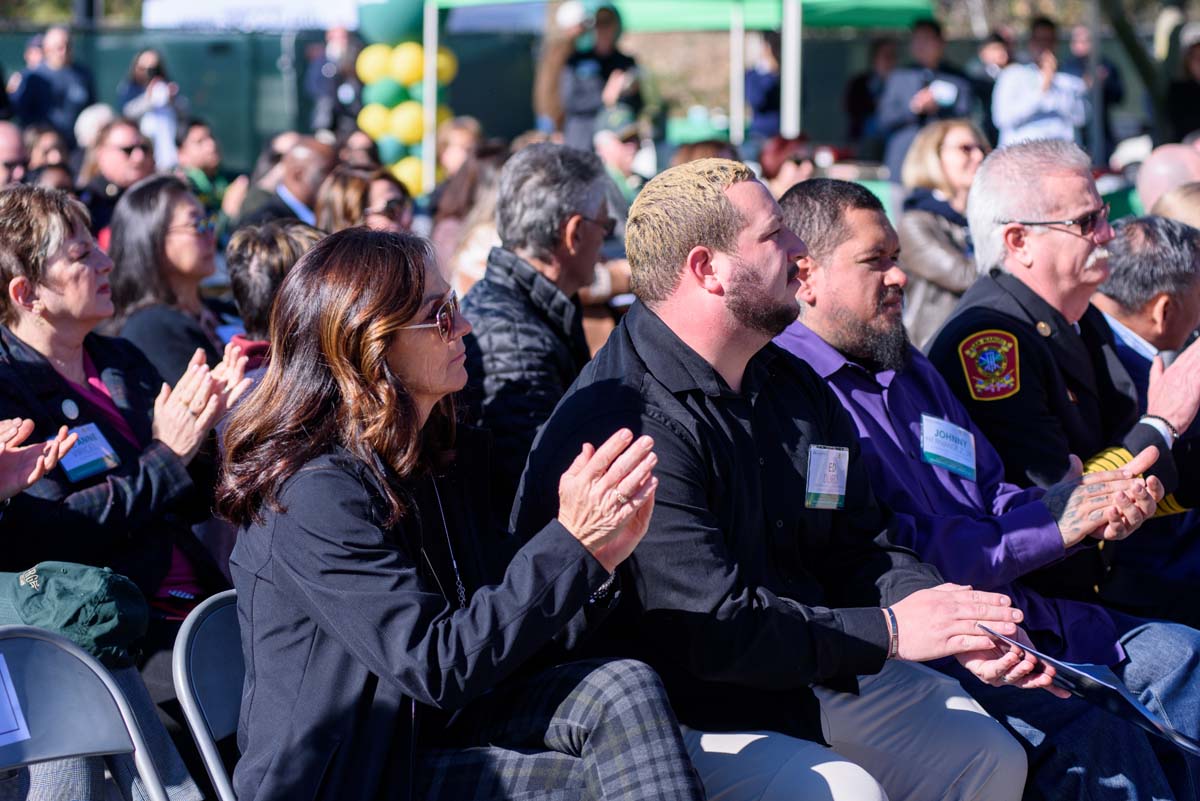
{"x":127,"y":492}
{"x":163,"y":247}
{"x":383,"y":636}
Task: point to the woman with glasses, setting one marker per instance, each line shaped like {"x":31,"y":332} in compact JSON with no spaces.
{"x":163,"y":247}
{"x":393,"y":649}
{"x":937,"y":253}
{"x":118,"y":158}
{"x":352,"y":196}
{"x":129,"y":489}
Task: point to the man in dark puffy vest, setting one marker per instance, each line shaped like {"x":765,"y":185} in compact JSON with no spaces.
{"x":528,"y":343}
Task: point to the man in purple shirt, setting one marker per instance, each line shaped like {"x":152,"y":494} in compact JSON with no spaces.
{"x":927,"y":459}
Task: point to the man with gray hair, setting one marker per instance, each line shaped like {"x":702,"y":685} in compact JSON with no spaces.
{"x":528,"y":343}
{"x":1034,"y":362}
{"x":1151,"y":301}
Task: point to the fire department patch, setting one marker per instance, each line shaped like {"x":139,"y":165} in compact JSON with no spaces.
{"x":989,"y":360}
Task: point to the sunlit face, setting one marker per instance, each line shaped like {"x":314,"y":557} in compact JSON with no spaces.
{"x":460,"y":144}
{"x":1067,"y":259}
{"x":590,"y":235}
{"x":857,"y":291}
{"x":12,"y":156}
{"x":125,"y":157}
{"x":190,"y":245}
{"x":961,"y":154}
{"x":75,"y":288}
{"x":200,"y":150}
{"x":429,"y":367}
{"x":387,"y":208}
{"x":48,"y":148}
{"x":761,"y":277}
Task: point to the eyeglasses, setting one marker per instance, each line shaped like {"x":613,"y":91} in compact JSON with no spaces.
{"x":394,"y":209}
{"x":965,"y":149}
{"x":128,"y":150}
{"x":1087,"y":223}
{"x":12,"y":165}
{"x":204,"y":225}
{"x":608,"y":224}
{"x":446,"y":318}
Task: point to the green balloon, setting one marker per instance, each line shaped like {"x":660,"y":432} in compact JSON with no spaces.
{"x":391,"y":149}
{"x":391,"y":21}
{"x":417,"y":92}
{"x":415,"y":150}
{"x":386,"y":91}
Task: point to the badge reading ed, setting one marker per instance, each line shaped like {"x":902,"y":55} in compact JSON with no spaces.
{"x":990,"y":362}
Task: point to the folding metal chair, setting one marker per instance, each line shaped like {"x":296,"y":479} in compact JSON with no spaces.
{"x":208,"y":669}
{"x":71,"y":706}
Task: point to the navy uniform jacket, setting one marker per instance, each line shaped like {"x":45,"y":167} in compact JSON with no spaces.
{"x":352,"y":633}
{"x":739,"y":596}
{"x":1040,"y":391}
{"x":126,"y":518}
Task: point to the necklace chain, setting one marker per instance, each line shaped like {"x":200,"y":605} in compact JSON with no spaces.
{"x":458,"y":584}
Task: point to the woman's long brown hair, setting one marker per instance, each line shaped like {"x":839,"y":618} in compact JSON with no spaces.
{"x":328,"y":382}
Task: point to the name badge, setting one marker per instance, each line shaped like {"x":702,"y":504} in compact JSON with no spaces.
{"x":827,"y":469}
{"x":943,"y":444}
{"x":91,"y":455}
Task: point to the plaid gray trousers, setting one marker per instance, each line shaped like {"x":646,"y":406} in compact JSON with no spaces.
{"x":599,"y":729}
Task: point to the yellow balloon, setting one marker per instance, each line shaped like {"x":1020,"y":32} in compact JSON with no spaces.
{"x":407,"y":62}
{"x":373,"y":63}
{"x":408,"y":172}
{"x":374,"y":119}
{"x":444,"y":113}
{"x":447,"y":65}
{"x":407,"y":122}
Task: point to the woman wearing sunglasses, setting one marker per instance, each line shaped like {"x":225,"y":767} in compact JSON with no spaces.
{"x":937,"y":253}
{"x":393,"y":649}
{"x":162,"y":249}
{"x":352,"y":196}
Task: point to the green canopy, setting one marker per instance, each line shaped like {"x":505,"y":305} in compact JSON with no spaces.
{"x":713,"y":15}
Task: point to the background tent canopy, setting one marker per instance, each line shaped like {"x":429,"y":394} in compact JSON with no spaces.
{"x":713,"y":15}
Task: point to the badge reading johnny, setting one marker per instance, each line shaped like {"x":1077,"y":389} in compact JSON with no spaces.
{"x":947,"y":445}
{"x":92,"y":454}
{"x":827,"y":468}
{"x":991,"y":365}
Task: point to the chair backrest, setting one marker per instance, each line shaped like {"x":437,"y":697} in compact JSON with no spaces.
{"x":208,"y":670}
{"x":70,"y":704}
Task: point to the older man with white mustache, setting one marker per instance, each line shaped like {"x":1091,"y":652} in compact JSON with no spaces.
{"x":1035,"y":363}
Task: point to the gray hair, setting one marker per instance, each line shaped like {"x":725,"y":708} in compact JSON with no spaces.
{"x":1009,"y":186}
{"x":540,"y":187}
{"x":1151,"y":255}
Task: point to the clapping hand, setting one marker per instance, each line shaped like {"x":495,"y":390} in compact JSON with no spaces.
{"x":22,"y":466}
{"x":183,"y":416}
{"x":1109,"y":505}
{"x":229,"y":377}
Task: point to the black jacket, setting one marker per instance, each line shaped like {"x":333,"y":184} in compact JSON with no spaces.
{"x":526,"y":348}
{"x":740,"y":596}
{"x":1041,"y":391}
{"x":169,"y":337}
{"x":126,"y":518}
{"x":349,"y":626}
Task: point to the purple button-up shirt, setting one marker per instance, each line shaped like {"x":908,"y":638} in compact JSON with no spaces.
{"x":986,"y":533}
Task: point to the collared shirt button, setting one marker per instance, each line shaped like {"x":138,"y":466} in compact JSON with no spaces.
{"x":761,"y":461}
{"x":778,"y":524}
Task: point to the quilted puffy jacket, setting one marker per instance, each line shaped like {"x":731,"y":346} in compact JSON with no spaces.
{"x":526,"y":348}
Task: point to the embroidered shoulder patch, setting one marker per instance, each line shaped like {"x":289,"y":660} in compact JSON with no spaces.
{"x":990,"y":363}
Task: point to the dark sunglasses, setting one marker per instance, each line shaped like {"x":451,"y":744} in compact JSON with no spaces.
{"x":12,"y":165}
{"x":1087,"y":223}
{"x":394,"y":209}
{"x":446,"y":318}
{"x":128,"y":151}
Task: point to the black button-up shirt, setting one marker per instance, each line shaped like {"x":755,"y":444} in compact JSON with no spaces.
{"x":740,"y":596}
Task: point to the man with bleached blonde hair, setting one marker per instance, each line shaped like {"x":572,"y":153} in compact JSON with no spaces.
{"x":768,"y":593}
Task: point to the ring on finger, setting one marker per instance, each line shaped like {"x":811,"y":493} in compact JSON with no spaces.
{"x":622,"y":498}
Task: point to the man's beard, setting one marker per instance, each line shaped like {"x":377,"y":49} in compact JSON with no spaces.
{"x":752,"y":305}
{"x":879,"y":344}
